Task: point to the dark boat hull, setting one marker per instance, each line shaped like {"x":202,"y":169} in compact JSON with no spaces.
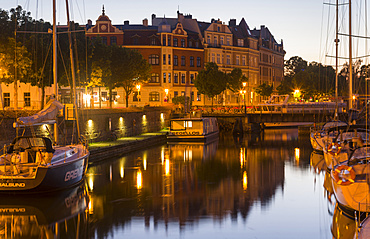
{"x":48,"y":178}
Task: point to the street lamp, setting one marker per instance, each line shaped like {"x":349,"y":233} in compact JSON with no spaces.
{"x":242,"y":92}
{"x":138,"y":92}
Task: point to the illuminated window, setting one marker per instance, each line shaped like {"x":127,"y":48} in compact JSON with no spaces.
{"x":164,"y":77}
{"x":27,"y":99}
{"x":154,"y":96}
{"x":238,"y":60}
{"x":154,"y":78}
{"x":154,"y":59}
{"x":176,"y":78}
{"x":169,"y":77}
{"x":199,"y":97}
{"x":188,"y":124}
{"x":182,"y":78}
{"x":153,"y":41}
{"x":240,"y":42}
{"x":6,"y":99}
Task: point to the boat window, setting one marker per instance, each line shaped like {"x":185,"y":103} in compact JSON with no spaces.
{"x":36,"y":142}
{"x":188,"y":124}
{"x":22,"y":143}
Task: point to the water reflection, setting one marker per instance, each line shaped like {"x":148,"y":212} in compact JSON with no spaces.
{"x":57,"y":215}
{"x":190,"y":183}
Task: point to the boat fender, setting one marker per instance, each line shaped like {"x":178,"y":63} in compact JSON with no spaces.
{"x":348,"y":171}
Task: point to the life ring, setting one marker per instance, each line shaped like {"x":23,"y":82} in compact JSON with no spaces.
{"x":349,"y":179}
{"x":330,"y":148}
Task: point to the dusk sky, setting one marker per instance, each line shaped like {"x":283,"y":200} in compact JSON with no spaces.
{"x":300,"y":23}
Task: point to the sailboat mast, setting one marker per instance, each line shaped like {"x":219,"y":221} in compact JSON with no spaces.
{"x":336,"y":62}
{"x":73,"y":72}
{"x":55,"y":65}
{"x":350,"y":55}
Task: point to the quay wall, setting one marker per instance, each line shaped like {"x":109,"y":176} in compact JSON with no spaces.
{"x":95,"y":124}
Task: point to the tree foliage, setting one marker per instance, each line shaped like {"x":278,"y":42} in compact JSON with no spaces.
{"x":264,"y":90}
{"x":235,"y":80}
{"x":211,"y":81}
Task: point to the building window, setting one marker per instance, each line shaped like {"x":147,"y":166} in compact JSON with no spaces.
{"x":169,"y":59}
{"x":175,"y":42}
{"x":164,"y":59}
{"x":182,"y":78}
{"x":183,"y":61}
{"x":191,"y":78}
{"x":164,"y":40}
{"x":175,"y":61}
{"x":113,"y":40}
{"x":197,"y":44}
{"x":114,"y":95}
{"x":182,"y":43}
{"x":6,"y":99}
{"x":240,"y":42}
{"x":182,"y":93}
{"x":176,"y":78}
{"x":153,"y":41}
{"x":104,"y":96}
{"x":154,"y":96}
{"x":169,"y":41}
{"x":154,"y":59}
{"x":104,"y":40}
{"x":136,"y":96}
{"x":218,"y":58}
{"x":228,"y":41}
{"x":27,"y":99}
{"x":198,"y":62}
{"x":215,"y":41}
{"x":175,"y":93}
{"x":154,"y":78}
{"x":135,"y":41}
{"x":199,"y":97}
{"x":221,"y":40}
{"x":190,"y":43}
{"x":164,"y":77}
{"x":238,"y":60}
{"x":209,"y":39}
{"x":243,"y":60}
{"x":218,"y":28}
{"x":228,"y":59}
{"x":213,"y":57}
{"x":169,"y":77}
{"x":192,"y":61}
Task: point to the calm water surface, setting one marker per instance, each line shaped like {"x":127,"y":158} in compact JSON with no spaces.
{"x":259,"y":186}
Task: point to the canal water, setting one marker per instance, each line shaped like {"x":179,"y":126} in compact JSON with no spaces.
{"x":259,"y":186}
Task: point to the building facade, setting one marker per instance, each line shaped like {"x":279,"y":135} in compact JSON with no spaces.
{"x":177,"y":49}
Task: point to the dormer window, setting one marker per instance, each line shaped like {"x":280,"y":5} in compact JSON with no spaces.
{"x":240,"y":42}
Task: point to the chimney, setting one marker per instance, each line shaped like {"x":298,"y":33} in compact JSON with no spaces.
{"x":153,"y":16}
{"x":127,"y":22}
{"x":145,"y":22}
{"x":89,"y":22}
{"x":232,"y":22}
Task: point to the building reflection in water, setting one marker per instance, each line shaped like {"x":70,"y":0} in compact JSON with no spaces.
{"x":188,"y":182}
{"x":61,"y":214}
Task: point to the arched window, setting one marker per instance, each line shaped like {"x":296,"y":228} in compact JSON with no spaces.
{"x":154,"y":96}
{"x":154,"y":59}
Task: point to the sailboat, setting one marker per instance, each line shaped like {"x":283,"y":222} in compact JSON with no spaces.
{"x":34,"y":163}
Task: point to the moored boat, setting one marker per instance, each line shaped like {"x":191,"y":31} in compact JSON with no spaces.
{"x":201,"y":129}
{"x":319,"y":137}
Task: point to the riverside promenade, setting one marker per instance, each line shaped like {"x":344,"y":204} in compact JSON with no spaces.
{"x":100,"y":151}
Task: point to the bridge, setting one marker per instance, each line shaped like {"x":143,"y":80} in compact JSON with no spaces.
{"x":258,"y":116}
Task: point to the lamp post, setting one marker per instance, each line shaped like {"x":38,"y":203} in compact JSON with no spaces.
{"x":166,"y":97}
{"x":242,"y":92}
{"x":138,"y":92}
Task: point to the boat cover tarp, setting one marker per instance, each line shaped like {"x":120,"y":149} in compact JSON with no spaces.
{"x":49,"y":112}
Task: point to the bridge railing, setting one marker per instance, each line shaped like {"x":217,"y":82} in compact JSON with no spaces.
{"x":320,"y":107}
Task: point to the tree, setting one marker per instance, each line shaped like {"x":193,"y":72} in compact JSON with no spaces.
{"x":264,"y":90}
{"x":235,"y":80}
{"x":15,"y":64}
{"x":210,"y":81}
{"x":128,"y":69}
